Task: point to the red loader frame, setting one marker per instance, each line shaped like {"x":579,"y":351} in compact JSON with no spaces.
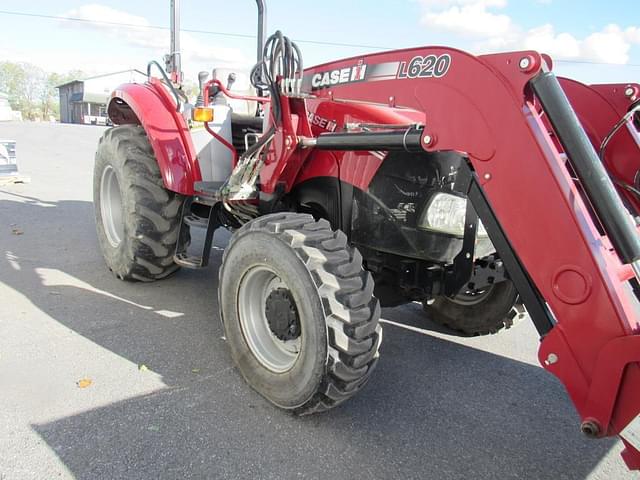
{"x":573,"y":270}
{"x":599,"y":108}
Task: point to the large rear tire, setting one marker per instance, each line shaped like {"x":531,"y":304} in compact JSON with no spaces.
{"x":298,"y":312}
{"x":477,"y":313}
{"x":137,"y":219}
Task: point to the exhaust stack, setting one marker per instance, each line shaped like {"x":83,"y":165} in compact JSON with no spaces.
{"x":173,"y":61}
{"x":262,"y":28}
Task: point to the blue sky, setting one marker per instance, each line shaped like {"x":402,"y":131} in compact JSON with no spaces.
{"x":607,"y":33}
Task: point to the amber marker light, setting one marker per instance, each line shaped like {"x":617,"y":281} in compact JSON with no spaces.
{"x":202,"y":114}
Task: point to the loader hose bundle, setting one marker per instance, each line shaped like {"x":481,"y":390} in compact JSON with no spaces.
{"x":282,"y":61}
{"x":633,"y":111}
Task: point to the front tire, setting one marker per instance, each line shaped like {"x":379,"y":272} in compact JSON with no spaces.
{"x":137,"y":219}
{"x":480,"y":313}
{"x":298,"y":312}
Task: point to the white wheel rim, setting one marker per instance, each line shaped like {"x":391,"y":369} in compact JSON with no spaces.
{"x":111,"y":206}
{"x":275,"y":354}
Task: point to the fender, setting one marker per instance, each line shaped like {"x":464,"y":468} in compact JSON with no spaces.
{"x":150,"y":105}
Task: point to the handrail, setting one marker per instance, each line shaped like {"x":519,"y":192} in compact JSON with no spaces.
{"x":227,"y":93}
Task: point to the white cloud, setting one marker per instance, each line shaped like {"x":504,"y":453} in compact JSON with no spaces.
{"x":195,"y":53}
{"x":610,"y":44}
{"x":492,"y":30}
{"x":105,"y":19}
{"x":472,"y":20}
{"x":632,"y":34}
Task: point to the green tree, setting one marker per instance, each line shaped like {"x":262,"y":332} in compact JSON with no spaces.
{"x":24,"y":83}
{"x":32,"y":91}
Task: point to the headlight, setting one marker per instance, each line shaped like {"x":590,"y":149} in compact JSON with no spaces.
{"x":446,"y":213}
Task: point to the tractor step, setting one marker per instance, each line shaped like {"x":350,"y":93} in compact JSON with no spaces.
{"x":208,"y":193}
{"x":196,"y":221}
{"x":204,"y":196}
{"x":188,"y":261}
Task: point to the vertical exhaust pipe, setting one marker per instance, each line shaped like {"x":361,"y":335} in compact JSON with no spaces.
{"x":262,"y":28}
{"x":173,"y":60}
{"x":174,"y":63}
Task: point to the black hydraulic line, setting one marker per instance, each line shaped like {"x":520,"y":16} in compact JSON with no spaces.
{"x":167,"y":81}
{"x":408,"y":141}
{"x":590,"y":170}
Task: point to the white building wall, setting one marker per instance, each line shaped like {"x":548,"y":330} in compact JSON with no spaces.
{"x":98,"y":89}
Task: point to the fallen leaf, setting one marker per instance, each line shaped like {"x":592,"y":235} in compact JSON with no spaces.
{"x":142,"y":367}
{"x":84,"y":383}
{"x":153,"y":428}
{"x":195,"y":370}
{"x":16,"y":231}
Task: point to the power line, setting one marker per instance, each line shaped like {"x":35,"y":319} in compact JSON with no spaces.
{"x":189,"y":30}
{"x":244,"y":35}
{"x":587,"y":62}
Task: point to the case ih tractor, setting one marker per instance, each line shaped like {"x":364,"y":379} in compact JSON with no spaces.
{"x":467,"y":183}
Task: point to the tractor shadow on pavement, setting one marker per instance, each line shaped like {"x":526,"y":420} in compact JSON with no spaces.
{"x":433,"y":409}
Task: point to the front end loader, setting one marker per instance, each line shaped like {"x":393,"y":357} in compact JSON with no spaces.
{"x":468,"y":183}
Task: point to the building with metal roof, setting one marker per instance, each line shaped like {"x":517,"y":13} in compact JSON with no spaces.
{"x":85,"y":101}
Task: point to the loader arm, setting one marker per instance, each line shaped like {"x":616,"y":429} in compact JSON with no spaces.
{"x":599,"y":108}
{"x":577,"y":282}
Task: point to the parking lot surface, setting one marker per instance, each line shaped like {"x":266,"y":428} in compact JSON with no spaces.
{"x":105,"y":379}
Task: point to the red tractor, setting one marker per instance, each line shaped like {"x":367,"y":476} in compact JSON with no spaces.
{"x":467,"y":183}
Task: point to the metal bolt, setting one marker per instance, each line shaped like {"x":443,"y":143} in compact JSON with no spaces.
{"x":551,"y":359}
{"x":468,"y":255}
{"x":629,"y":91}
{"x":590,"y":428}
{"x":525,"y":63}
{"x":427,"y":139}
{"x":487,"y":176}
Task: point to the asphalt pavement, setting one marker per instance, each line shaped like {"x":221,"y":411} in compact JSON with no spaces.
{"x":102,"y":379}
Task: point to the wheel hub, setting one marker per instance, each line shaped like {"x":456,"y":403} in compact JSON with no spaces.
{"x":282,"y":314}
{"x":472,"y":297}
{"x":269,"y":319}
